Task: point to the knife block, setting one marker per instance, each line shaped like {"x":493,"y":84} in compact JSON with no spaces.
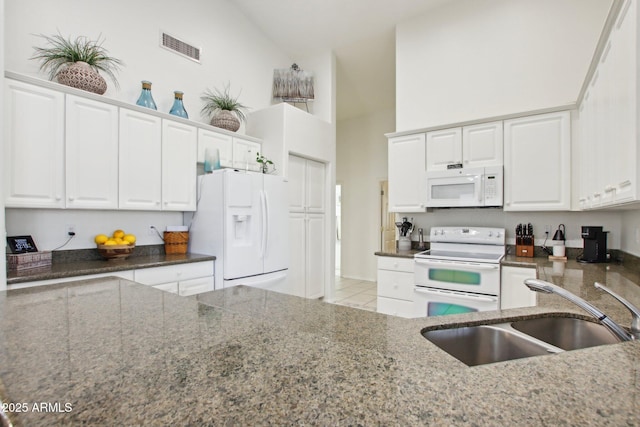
{"x":524,"y":246}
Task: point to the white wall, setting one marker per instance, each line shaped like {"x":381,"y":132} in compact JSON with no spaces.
{"x":472,"y":59}
{"x":361,"y":166}
{"x":233,"y":50}
{"x":630,"y":240}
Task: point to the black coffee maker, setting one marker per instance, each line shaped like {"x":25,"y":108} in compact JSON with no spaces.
{"x":595,"y":244}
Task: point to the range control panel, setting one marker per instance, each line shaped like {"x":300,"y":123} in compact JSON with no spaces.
{"x":478,"y":235}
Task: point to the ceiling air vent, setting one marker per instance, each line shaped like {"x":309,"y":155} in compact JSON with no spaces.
{"x":180,"y":47}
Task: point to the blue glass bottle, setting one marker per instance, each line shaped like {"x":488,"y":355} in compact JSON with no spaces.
{"x":146,"y":100}
{"x":178,"y":106}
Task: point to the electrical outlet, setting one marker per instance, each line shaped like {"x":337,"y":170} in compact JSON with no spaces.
{"x":151,"y":230}
{"x":70,"y":229}
{"x":547,"y":229}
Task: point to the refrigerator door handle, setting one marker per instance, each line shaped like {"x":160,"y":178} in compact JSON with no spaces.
{"x":265,"y":217}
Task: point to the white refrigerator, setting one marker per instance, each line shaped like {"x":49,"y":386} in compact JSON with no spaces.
{"x":242,"y":219}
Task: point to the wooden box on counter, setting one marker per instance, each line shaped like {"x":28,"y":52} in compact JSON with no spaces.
{"x":524,"y":246}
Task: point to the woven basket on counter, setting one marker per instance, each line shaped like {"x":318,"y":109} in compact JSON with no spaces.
{"x":175,"y":242}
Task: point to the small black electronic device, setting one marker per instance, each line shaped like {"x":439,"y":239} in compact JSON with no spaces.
{"x":595,"y":245}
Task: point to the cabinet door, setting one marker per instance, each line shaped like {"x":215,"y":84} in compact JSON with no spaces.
{"x":179,"y":157}
{"x":482,"y":145}
{"x":140,"y":167}
{"x":297,"y":253}
{"x":91,"y":154}
{"x":211,"y":141}
{"x":245,"y":153}
{"x":315,"y":274}
{"x":444,"y":147}
{"x":314,"y":188}
{"x":537,"y":163}
{"x":297,"y":187}
{"x":513,"y":292}
{"x":407,"y":174}
{"x":33,"y":146}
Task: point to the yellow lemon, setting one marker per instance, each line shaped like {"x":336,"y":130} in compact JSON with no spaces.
{"x":110,"y":242}
{"x":100,"y":239}
{"x":129,"y":238}
{"x":119,"y":241}
{"x":118,"y":234}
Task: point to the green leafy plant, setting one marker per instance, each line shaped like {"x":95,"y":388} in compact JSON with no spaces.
{"x":216,"y":100}
{"x":264,"y":162}
{"x":62,"y":51}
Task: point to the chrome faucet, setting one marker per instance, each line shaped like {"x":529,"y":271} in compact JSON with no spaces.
{"x":635,"y":312}
{"x":550,"y":288}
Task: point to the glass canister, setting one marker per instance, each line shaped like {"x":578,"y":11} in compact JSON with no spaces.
{"x":178,"y":107}
{"x":146,"y":99}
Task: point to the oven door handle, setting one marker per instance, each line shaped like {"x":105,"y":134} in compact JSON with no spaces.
{"x":475,"y":265}
{"x":462,"y":295}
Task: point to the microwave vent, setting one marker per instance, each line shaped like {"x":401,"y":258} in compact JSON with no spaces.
{"x":180,"y":47}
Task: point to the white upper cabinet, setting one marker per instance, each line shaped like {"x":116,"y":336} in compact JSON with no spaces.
{"x":444,"y":147}
{"x":210,"y":142}
{"x":179,"y":156}
{"x":245,"y":153}
{"x":609,"y":154}
{"x":482,"y":145}
{"x":91,"y":154}
{"x":140,"y":161}
{"x":471,"y":146}
{"x":407,"y":173}
{"x":33,"y":146}
{"x":537,"y":164}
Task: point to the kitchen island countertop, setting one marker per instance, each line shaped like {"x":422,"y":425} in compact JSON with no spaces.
{"x":110,"y":351}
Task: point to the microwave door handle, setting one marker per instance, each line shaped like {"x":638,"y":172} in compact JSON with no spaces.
{"x":477,"y":266}
{"x":428,"y":291}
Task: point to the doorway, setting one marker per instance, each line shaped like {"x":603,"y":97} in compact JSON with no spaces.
{"x":338,"y":226}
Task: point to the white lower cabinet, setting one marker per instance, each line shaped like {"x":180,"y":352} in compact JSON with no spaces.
{"x":395,"y":286}
{"x":513,"y":292}
{"x":183,"y":279}
{"x":125,"y":274}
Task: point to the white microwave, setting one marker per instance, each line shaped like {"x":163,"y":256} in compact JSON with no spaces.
{"x":465,"y":187}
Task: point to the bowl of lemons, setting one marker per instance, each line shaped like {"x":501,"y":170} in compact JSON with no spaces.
{"x":117,"y":246}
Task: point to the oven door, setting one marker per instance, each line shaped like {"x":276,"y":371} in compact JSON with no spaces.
{"x":474,"y":277}
{"x":454,"y":188}
{"x":438,"y":302}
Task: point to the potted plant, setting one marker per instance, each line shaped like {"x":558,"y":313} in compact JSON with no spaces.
{"x":264,"y":163}
{"x":225,"y":110}
{"x":77,"y":62}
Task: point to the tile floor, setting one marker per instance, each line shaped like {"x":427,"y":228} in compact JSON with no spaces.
{"x":355,"y":293}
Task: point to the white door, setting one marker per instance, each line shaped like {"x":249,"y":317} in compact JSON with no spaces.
{"x":482,"y":145}
{"x":297,"y":184}
{"x":91,"y":154}
{"x":33,"y":146}
{"x":297,"y":253}
{"x":537,"y":164}
{"x":444,"y":147}
{"x":407,"y":174}
{"x":315,"y":187}
{"x":179,"y":157}
{"x":243,"y":232}
{"x":140,"y":153}
{"x":276,"y":255}
{"x":315,"y":250}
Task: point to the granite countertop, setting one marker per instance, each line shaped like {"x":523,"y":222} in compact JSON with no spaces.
{"x":110,"y":351}
{"x":71,"y":267}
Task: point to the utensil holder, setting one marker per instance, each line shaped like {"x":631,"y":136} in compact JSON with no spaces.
{"x":176,"y":242}
{"x":404,"y":243}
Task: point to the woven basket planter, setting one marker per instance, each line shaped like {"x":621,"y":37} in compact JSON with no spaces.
{"x":226,"y":120}
{"x":81,"y":76}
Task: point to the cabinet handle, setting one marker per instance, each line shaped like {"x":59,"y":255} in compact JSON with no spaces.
{"x":58,"y":197}
{"x":624,"y":183}
{"x":71,"y":199}
{"x":609,"y":189}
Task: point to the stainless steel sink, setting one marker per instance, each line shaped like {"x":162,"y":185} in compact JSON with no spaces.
{"x":565,"y":332}
{"x":478,"y":345}
{"x":482,"y":344}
